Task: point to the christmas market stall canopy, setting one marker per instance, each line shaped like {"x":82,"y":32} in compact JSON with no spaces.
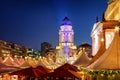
{"x":44,"y":69}
{"x":82,"y":60}
{"x":31,"y":61}
{"x":25,"y":65}
{"x":16,"y":60}
{"x":21,"y":60}
{"x":9,"y":61}
{"x":5,"y":69}
{"x":42,"y":61}
{"x":63,"y":71}
{"x":31,"y":72}
{"x":1,"y":60}
{"x":67,"y":66}
{"x":99,"y":53}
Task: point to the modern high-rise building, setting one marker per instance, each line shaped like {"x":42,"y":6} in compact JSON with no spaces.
{"x":103,"y":31}
{"x":66,"y":44}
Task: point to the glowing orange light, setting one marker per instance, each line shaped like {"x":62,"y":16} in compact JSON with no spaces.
{"x":102,"y":40}
{"x":116,"y":28}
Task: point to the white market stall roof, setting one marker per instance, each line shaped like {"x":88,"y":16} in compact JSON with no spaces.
{"x":82,"y":60}
{"x":9,"y":61}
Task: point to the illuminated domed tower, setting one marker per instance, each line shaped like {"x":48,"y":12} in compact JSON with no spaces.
{"x":66,"y":34}
{"x":66,"y":37}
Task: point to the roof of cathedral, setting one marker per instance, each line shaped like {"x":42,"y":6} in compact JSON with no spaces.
{"x":85,"y":44}
{"x":110,"y":23}
{"x":66,"y":21}
{"x":107,"y":24}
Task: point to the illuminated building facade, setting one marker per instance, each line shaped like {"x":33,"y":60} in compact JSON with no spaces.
{"x":103,"y":31}
{"x":66,"y":46}
{"x":9,"y":48}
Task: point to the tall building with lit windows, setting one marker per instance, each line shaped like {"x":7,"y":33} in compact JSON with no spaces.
{"x":66,"y":46}
{"x":103,"y":31}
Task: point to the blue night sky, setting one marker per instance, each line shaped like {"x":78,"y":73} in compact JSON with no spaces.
{"x":31,"y":22}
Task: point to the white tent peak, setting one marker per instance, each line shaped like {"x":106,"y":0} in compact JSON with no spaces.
{"x":9,"y":61}
{"x":82,"y":60}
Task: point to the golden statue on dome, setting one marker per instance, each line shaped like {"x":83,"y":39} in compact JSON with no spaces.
{"x":112,"y":11}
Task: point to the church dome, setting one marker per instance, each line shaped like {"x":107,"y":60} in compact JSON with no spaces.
{"x":66,"y":21}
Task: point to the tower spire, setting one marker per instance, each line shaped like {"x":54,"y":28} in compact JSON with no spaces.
{"x":96,"y":19}
{"x":103,"y":16}
{"x":66,"y":21}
